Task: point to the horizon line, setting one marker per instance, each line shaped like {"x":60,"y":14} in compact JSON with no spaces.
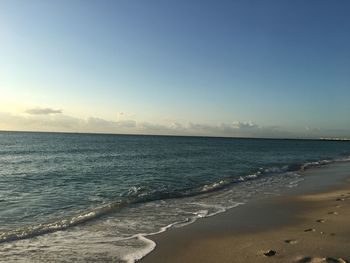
{"x":172,"y":135}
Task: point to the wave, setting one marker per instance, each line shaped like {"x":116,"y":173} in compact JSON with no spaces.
{"x":138,"y":195}
{"x":41,"y":229}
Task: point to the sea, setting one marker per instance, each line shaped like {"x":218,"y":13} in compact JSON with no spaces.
{"x":100,"y":198}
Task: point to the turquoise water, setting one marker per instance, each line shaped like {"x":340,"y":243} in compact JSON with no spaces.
{"x":56,"y":186}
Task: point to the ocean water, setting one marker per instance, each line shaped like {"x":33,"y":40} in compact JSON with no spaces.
{"x":88,"y":198}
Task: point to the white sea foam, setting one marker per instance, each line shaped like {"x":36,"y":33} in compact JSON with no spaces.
{"x":138,"y":254}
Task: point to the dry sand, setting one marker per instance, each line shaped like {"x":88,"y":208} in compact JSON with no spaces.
{"x":296,"y":228}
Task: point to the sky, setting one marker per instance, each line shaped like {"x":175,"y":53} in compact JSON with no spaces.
{"x":272,"y":68}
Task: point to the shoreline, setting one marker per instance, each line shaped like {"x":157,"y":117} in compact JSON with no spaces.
{"x":277,"y":223}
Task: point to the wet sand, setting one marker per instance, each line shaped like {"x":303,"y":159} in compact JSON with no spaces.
{"x":310,"y":223}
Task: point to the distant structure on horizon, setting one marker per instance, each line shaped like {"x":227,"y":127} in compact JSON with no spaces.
{"x":334,"y":139}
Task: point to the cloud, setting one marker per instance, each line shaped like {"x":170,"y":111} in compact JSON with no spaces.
{"x":233,"y":129}
{"x":244,"y":125}
{"x":64,"y":123}
{"x":312,"y":129}
{"x":42,"y":111}
{"x":124,"y":115}
{"x":127,"y":124}
{"x":224,"y":128}
{"x":98,"y":122}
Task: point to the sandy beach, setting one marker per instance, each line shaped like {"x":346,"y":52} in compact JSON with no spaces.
{"x":310,"y":223}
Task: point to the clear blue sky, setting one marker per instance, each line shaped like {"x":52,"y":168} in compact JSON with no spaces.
{"x":258,"y":68}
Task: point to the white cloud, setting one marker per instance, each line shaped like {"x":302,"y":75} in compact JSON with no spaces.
{"x":124,"y":115}
{"x":224,"y":128}
{"x":65,"y":123}
{"x":244,"y":125}
{"x":43,"y":111}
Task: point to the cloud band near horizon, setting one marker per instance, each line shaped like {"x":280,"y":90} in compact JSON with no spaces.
{"x":50,"y":120}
